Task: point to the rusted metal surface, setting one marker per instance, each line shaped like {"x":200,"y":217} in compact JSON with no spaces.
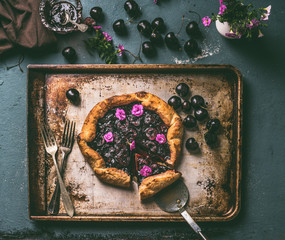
{"x":212,"y":176}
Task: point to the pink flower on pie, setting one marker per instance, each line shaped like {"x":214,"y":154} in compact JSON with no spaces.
{"x":145,"y":171}
{"x":120,"y":114}
{"x":108,"y":137}
{"x":132,"y":145}
{"x":160,"y":138}
{"x":137,"y":110}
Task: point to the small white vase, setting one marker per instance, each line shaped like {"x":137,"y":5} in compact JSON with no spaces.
{"x":223,"y":28}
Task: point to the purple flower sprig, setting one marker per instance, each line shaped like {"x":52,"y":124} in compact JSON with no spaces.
{"x":103,"y":44}
{"x":121,"y":51}
{"x":244,"y":20}
{"x":107,"y":37}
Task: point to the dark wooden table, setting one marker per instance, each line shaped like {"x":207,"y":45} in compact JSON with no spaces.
{"x":261,"y":63}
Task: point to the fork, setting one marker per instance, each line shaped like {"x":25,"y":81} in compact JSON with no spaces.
{"x":67,"y":142}
{"x":51,"y":148}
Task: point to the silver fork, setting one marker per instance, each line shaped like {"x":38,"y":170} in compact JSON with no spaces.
{"x":67,"y":142}
{"x":51,"y":148}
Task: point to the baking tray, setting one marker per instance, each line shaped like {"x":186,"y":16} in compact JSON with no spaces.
{"x":213,"y":176}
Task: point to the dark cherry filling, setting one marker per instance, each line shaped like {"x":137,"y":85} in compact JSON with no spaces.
{"x":141,"y":129}
{"x":146,"y":167}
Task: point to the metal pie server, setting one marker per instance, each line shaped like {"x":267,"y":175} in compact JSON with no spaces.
{"x":173,"y":199}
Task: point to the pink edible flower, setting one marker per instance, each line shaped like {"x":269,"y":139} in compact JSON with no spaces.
{"x":160,"y":138}
{"x":155,"y":1}
{"x":107,"y":36}
{"x":253,"y":23}
{"x":120,"y":114}
{"x":137,"y":110}
{"x":206,"y":21}
{"x":260,"y":34}
{"x":121,"y":49}
{"x":233,"y":35}
{"x":133,"y":145}
{"x":145,"y":171}
{"x":266,"y":15}
{"x":97,"y":27}
{"x":223,"y":8}
{"x":221,"y":2}
{"x":108,"y":137}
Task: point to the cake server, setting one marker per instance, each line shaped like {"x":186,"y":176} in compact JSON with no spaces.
{"x":173,"y":199}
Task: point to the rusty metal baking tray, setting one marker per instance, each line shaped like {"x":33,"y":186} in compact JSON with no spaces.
{"x":213,"y":176}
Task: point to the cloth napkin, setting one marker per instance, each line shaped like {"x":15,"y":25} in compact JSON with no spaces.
{"x":20,"y":25}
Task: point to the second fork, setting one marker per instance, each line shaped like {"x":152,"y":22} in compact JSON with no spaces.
{"x":66,"y":146}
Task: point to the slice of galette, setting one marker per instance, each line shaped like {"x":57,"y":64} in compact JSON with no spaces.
{"x":152,"y":176}
{"x":120,"y":126}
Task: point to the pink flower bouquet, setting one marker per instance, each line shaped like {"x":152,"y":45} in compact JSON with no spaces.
{"x":244,"y":20}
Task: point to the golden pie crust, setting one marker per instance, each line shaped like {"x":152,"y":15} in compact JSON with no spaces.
{"x":117,"y":177}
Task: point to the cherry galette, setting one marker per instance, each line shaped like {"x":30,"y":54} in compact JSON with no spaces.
{"x":133,"y":137}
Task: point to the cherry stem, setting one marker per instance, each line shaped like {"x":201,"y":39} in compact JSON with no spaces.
{"x":133,"y":55}
{"x":180,"y":26}
{"x":21,"y":59}
{"x":154,"y":29}
{"x":196,"y":14}
{"x":138,"y":57}
{"x":131,"y":21}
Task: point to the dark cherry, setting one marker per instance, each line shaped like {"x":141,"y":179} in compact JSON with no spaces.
{"x":197,"y":101}
{"x":148,"y":49}
{"x":148,"y":119}
{"x":156,"y":38}
{"x":154,"y":166}
{"x":191,"y":144}
{"x":151,"y":133}
{"x":192,"y":29}
{"x":69,"y":53}
{"x":158,"y":24}
{"x":190,"y":122}
{"x":132,"y":8}
{"x":72,"y":95}
{"x":96,"y":13}
{"x":151,"y":146}
{"x":211,"y":138}
{"x":213,"y":125}
{"x":172,"y":41}
{"x":186,"y":106}
{"x":201,"y":114}
{"x":191,"y":47}
{"x":119,"y":26}
{"x":144,"y":27}
{"x":175,"y":102}
{"x":182,"y":89}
